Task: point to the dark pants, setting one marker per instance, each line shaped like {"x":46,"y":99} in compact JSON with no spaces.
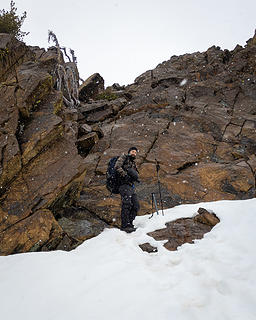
{"x":130,"y":205}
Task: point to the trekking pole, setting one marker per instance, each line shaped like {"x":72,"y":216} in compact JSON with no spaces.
{"x":153,"y":203}
{"x":159,"y":185}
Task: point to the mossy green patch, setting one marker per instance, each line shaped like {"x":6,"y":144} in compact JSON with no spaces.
{"x":107,"y":94}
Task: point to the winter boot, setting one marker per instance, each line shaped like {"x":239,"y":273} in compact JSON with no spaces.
{"x":128,"y":229}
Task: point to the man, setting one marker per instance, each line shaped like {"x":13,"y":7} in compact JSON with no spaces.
{"x":128,"y":174}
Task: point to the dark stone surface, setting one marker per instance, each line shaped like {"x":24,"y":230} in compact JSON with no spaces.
{"x":185,"y":230}
{"x":91,"y":87}
{"x":148,"y":248}
{"x":80,"y":224}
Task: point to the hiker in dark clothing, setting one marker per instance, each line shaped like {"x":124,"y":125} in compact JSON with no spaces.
{"x":128,"y":174}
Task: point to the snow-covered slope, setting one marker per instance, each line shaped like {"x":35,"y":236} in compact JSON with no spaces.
{"x":110,"y":277}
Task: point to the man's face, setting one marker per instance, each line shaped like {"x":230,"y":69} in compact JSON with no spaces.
{"x":133,"y":153}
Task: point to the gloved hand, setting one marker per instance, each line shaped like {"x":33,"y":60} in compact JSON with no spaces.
{"x":133,"y":174}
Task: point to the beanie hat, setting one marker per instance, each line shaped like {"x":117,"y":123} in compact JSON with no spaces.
{"x":132,"y":148}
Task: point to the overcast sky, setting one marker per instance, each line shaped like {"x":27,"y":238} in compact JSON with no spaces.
{"x":121,"y":39}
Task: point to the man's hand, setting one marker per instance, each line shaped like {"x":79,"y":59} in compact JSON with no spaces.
{"x":133,"y":174}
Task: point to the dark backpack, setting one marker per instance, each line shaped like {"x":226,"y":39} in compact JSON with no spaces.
{"x":112,"y":181}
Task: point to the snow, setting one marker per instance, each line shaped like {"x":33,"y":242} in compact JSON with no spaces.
{"x":183,"y":82}
{"x":110,"y":277}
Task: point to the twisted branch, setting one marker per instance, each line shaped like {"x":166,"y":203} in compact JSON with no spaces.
{"x":67,"y":81}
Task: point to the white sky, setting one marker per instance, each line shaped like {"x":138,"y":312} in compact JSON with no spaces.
{"x":121,"y":39}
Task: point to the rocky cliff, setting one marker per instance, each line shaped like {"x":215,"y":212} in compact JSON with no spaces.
{"x":40,"y":168}
{"x":195,"y":114}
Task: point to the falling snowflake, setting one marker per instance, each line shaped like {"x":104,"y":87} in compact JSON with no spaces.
{"x":183,"y":82}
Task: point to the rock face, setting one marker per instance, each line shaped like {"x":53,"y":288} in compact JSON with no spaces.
{"x":196,"y":115}
{"x":184,"y":230}
{"x":40,"y":168}
{"x":80,"y":224}
{"x":91,"y":87}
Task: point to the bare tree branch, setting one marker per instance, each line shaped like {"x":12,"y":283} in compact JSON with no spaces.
{"x":67,"y":81}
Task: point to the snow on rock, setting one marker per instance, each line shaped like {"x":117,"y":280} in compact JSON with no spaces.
{"x":183,"y":82}
{"x":110,"y":277}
